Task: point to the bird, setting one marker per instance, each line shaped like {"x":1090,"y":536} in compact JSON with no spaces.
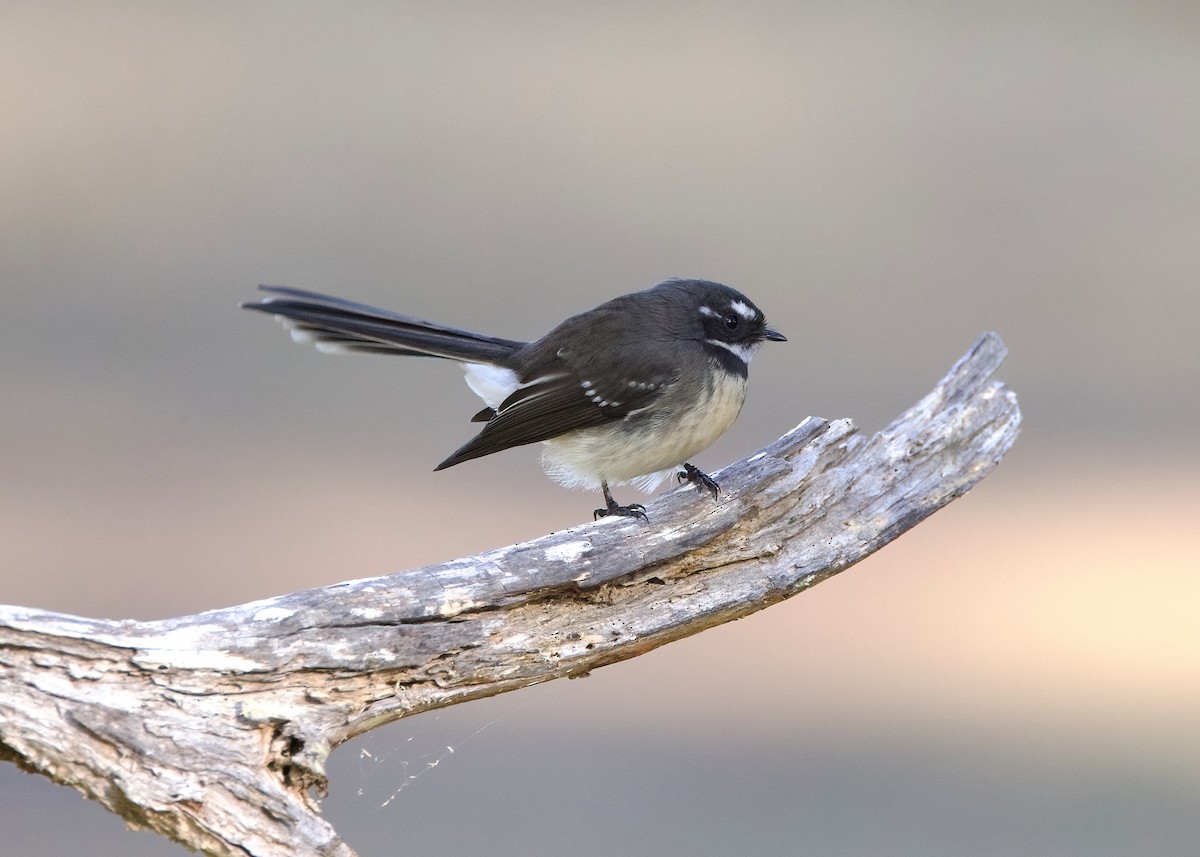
{"x":626,"y":393}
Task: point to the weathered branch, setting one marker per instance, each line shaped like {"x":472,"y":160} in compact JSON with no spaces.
{"x":214,"y":729}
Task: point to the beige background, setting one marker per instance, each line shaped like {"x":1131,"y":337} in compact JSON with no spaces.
{"x":1020,"y":675}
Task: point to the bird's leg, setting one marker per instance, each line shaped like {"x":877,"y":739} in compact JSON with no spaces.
{"x":633,"y":510}
{"x":692,"y":473}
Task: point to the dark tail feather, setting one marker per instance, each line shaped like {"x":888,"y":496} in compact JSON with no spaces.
{"x":335,"y":325}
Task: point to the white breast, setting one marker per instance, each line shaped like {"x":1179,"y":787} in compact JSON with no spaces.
{"x":644,"y":454}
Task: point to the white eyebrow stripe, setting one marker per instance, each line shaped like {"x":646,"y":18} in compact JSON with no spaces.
{"x":744,"y":310}
{"x":705,"y":309}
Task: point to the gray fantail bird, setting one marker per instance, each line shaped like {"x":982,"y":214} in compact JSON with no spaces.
{"x":623,"y":393}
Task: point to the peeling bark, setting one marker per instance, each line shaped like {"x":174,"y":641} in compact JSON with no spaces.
{"x":214,"y":729}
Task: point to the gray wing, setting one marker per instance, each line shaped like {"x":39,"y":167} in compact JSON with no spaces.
{"x":556,"y":404}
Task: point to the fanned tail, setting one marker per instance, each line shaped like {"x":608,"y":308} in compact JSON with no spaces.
{"x":338,"y":325}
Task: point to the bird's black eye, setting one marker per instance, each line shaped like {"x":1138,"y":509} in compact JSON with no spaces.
{"x":731,"y":322}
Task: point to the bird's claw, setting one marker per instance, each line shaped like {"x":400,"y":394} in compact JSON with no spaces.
{"x":692,"y":473}
{"x":633,"y":510}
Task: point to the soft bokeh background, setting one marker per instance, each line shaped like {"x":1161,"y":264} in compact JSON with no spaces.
{"x":1019,"y":675}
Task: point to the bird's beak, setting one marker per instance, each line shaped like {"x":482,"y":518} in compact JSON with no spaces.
{"x":773,"y":335}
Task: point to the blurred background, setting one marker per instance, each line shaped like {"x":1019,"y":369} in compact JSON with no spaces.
{"x":1018,"y":675}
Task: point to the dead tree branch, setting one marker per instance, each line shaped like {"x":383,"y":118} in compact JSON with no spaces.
{"x":214,"y":729}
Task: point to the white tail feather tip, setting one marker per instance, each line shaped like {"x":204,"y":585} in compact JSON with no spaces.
{"x":299,"y":334}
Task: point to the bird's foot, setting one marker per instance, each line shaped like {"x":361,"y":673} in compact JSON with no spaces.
{"x":633,"y":510}
{"x":692,"y":473}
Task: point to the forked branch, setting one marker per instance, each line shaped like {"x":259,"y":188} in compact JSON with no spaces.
{"x":214,"y":729}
